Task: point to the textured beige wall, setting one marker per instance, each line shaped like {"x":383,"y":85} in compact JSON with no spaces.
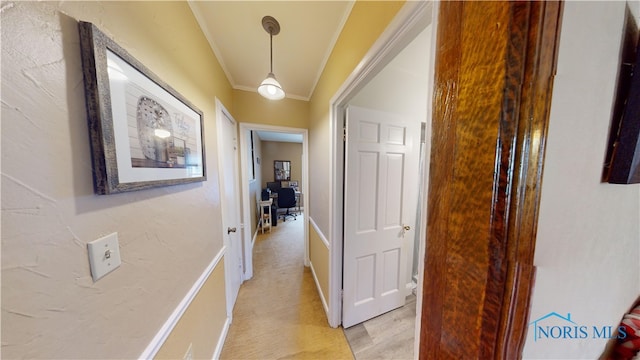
{"x":195,"y":326}
{"x":250,"y":107}
{"x":365,"y":24}
{"x":51,"y":308}
{"x":275,"y":150}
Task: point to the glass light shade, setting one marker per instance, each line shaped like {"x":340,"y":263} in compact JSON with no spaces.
{"x":270,"y":88}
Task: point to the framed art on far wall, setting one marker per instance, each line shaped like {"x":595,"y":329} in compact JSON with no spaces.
{"x":143,"y":133}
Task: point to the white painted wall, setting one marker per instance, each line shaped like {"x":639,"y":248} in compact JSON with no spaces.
{"x":588,"y":245}
{"x":401,"y":87}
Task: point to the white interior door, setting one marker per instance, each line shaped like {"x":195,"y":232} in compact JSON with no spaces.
{"x":229,"y":175}
{"x":381,"y":170}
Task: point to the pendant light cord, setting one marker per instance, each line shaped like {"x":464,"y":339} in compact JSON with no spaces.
{"x":271,"y":48}
{"x":270,"y":88}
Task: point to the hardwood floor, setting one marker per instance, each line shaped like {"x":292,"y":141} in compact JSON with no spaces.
{"x":388,"y":336}
{"x":278,"y":314}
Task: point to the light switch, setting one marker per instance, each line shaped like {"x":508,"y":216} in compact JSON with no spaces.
{"x":104,"y":255}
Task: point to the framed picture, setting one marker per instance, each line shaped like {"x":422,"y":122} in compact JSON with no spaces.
{"x":622,"y":163}
{"x":282,"y":170}
{"x":143,"y":133}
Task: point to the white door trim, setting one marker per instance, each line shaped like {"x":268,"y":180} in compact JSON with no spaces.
{"x":221,"y":114}
{"x":246,"y":213}
{"x":414,"y":17}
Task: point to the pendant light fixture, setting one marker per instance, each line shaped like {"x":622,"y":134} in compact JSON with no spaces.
{"x":270,"y":87}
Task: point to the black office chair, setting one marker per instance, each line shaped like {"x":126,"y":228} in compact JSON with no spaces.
{"x":287,"y":199}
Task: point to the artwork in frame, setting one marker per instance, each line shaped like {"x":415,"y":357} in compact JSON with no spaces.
{"x":143,"y":133}
{"x":622,"y":162}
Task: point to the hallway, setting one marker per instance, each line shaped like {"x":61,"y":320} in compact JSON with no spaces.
{"x":279,"y":314}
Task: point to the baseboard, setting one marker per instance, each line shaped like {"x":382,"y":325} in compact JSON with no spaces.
{"x":315,"y":279}
{"x":221,"y":339}
{"x":166,"y":329}
{"x":253,"y":241}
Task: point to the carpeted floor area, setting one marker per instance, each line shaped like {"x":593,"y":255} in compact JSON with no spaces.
{"x":279,"y":314}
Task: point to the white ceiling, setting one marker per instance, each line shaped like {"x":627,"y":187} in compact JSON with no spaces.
{"x":280,"y":137}
{"x":308,"y":32}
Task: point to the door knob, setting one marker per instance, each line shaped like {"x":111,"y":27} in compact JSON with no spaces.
{"x":405,"y":228}
{"x":230,"y":230}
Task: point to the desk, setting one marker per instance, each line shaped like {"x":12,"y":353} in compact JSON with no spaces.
{"x":265,"y":218}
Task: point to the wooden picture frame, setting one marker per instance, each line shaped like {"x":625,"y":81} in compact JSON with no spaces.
{"x":625,"y":158}
{"x":143,"y":133}
{"x":622,"y":161}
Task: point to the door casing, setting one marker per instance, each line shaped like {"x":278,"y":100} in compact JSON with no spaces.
{"x":248,"y":237}
{"x":495,"y":68}
{"x":414,"y":17}
{"x":222,"y":114}
{"x":531,"y":36}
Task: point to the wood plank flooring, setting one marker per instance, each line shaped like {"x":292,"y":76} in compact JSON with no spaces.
{"x":388,"y":336}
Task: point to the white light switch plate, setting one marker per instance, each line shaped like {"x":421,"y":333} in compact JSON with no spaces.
{"x":104,"y":255}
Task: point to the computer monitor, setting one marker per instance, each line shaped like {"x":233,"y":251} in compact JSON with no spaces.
{"x":274,"y":186}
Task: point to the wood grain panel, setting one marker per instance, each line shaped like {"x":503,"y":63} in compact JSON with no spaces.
{"x":494,"y":69}
{"x":530,"y":140}
{"x":441,"y":172}
{"x":478,"y":112}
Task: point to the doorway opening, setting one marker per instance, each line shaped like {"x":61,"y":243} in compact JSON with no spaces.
{"x":253,"y":165}
{"x":415,"y":21}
